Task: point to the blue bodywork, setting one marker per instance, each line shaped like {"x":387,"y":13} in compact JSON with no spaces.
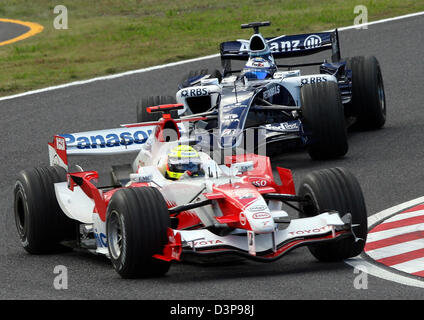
{"x":249,"y":105}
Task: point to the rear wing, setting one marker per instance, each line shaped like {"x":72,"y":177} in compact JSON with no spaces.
{"x":286,"y":46}
{"x":98,"y":143}
{"x":108,"y":141}
{"x":126,"y":139}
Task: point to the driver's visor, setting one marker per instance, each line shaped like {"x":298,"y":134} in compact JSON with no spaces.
{"x":183,"y":167}
{"x":256,"y":75}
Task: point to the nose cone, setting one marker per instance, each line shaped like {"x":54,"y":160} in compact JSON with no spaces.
{"x":242,"y":200}
{"x":259,"y":216}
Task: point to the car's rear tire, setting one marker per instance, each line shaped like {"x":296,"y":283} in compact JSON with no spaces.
{"x":323,"y":120}
{"x":40,"y":222}
{"x":335,"y":189}
{"x":199,"y":73}
{"x":368,"y":96}
{"x":140,"y":218}
{"x":150,"y":101}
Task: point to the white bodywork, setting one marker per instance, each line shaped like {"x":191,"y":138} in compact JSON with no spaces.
{"x":75,"y":204}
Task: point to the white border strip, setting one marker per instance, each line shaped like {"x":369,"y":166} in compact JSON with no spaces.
{"x":359,"y":26}
{"x":382,"y":215}
{"x":372,"y":269}
{"x":361,"y":264}
{"x":113,"y":76}
{"x":163,"y":66}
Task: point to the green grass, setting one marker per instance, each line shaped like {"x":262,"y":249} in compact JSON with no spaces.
{"x":111,"y":36}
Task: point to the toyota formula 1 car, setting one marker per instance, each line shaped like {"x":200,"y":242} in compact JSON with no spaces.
{"x":143,"y":221}
{"x":314,"y":110}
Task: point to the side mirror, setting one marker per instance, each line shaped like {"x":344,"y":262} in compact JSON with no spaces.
{"x":211,"y":169}
{"x":242,"y":167}
{"x":137,"y":177}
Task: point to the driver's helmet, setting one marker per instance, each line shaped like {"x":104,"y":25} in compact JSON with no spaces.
{"x":259,"y":67}
{"x":181,"y":159}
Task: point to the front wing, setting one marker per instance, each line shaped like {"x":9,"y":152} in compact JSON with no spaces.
{"x":267,"y":246}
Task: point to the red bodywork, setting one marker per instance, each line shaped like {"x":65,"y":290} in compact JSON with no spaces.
{"x":260,"y":180}
{"x":230,"y":197}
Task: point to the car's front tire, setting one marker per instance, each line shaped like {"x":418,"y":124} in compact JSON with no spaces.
{"x":137,"y":222}
{"x":338,"y":190}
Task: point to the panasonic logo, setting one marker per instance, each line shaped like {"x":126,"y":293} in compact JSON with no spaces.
{"x":106,"y":140}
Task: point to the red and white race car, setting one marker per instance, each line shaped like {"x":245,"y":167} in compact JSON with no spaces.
{"x":143,"y":221}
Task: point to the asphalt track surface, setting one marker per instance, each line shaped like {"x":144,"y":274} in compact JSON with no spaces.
{"x":387,"y":162}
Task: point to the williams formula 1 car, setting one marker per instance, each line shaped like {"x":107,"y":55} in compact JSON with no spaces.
{"x":147,"y":218}
{"x":314,"y":110}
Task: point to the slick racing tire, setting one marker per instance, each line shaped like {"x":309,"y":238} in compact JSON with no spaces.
{"x":368,"y":97}
{"x":137,"y":223}
{"x":40,"y":222}
{"x":145,"y":102}
{"x":323,"y":120}
{"x":200,"y":73}
{"x":338,"y":190}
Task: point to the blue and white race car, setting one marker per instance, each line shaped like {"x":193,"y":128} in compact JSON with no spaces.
{"x":285,"y":106}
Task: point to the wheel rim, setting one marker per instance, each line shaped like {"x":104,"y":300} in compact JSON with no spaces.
{"x":20,"y":210}
{"x":115,"y":234}
{"x":310,"y":207}
{"x":381,"y":95}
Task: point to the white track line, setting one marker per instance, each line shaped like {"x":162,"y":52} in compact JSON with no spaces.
{"x":163,"y":66}
{"x":376,"y":271}
{"x":363,"y":265}
{"x":382,"y":215}
{"x":406,"y":215}
{"x":415,"y":14}
{"x":110,"y":77}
